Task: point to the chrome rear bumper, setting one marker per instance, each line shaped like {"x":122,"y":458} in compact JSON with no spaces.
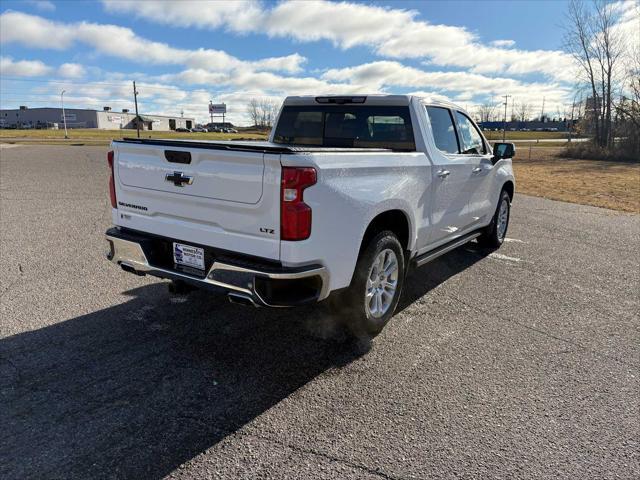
{"x":240,"y":281}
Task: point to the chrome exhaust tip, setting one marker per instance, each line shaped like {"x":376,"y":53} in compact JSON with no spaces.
{"x":241,"y":299}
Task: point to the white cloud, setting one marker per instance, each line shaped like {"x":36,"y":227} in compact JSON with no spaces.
{"x":23,"y":68}
{"x":71,"y":70}
{"x":122,"y":42}
{"x":383,"y":75}
{"x":628,"y":26}
{"x":390,"y":32}
{"x":34,"y":31}
{"x":503,"y":43}
{"x":238,"y":15}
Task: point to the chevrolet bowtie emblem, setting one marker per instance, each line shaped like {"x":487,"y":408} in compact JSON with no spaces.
{"x":178,"y":179}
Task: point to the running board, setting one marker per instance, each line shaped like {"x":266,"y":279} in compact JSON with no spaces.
{"x":447,"y":247}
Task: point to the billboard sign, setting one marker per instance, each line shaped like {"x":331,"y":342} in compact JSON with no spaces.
{"x":217,"y":108}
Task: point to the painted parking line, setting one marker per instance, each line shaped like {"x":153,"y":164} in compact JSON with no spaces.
{"x":500,"y":256}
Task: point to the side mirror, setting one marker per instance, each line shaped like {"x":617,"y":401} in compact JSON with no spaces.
{"x":503,"y":150}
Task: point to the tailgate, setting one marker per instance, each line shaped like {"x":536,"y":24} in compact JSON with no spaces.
{"x":221,"y":174}
{"x":220,"y":198}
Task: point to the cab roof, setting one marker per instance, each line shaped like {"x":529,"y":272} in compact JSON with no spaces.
{"x":364,"y":99}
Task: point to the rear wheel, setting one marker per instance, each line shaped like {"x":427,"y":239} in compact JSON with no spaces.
{"x":494,"y":234}
{"x":368,"y":304}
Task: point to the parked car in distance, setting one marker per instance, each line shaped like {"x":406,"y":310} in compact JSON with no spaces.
{"x":182,"y":129}
{"x":348,"y":195}
{"x":199,"y":129}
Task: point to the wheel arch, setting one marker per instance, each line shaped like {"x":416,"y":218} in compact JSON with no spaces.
{"x":509,"y":187}
{"x":395,"y":220}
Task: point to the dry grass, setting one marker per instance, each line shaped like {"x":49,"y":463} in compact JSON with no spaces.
{"x":614,"y":185}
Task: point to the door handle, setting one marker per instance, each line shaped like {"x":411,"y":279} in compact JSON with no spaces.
{"x":443,"y":173}
{"x":477,"y":170}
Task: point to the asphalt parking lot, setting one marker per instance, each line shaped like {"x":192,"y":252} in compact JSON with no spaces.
{"x":518,"y":364}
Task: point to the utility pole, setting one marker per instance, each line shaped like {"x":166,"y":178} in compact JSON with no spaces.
{"x":64,"y":117}
{"x":504,"y":124}
{"x":542,"y":113}
{"x":135,"y":99}
{"x":211,"y":111}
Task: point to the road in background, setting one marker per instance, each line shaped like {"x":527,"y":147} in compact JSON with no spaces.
{"x":550,"y":140}
{"x":521,"y":363}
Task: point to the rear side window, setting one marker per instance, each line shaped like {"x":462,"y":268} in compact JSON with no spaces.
{"x":346,"y":126}
{"x":470,"y":138}
{"x":443,"y":129}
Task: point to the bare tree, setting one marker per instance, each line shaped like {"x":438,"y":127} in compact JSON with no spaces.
{"x":253,"y":110}
{"x":487,"y":111}
{"x":268,"y":112}
{"x":262,"y":112}
{"x":627,"y":109}
{"x":522,"y":111}
{"x":593,"y":41}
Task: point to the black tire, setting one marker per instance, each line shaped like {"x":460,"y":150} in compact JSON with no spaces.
{"x":493,"y":236}
{"x":350,"y":304}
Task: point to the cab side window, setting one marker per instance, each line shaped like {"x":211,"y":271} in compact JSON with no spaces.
{"x":470,"y":139}
{"x":443,"y":129}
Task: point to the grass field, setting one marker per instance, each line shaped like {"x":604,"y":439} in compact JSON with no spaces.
{"x":93,"y":136}
{"x":614,"y":185}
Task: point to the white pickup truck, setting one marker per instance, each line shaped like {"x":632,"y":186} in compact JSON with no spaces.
{"x":345,"y":197}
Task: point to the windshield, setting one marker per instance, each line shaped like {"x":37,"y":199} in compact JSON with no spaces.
{"x":350,"y":126}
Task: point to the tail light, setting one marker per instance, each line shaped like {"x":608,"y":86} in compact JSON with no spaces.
{"x":295,"y":215}
{"x":112,"y":184}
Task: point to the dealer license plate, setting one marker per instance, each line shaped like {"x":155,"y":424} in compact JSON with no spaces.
{"x":188,"y":256}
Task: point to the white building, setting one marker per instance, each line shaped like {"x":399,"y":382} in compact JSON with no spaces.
{"x":105,"y":119}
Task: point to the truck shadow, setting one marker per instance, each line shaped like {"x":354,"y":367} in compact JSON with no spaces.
{"x":137,"y":389}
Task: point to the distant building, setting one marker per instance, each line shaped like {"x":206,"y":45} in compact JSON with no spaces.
{"x":105,"y":119}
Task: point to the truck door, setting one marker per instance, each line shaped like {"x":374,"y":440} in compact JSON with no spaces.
{"x":480,"y":174}
{"x":450,"y":172}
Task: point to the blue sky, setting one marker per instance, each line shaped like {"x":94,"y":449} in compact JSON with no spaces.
{"x":183,"y":54}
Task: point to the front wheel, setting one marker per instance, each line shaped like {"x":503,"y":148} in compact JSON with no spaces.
{"x":368,"y":304}
{"x":494,"y":234}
